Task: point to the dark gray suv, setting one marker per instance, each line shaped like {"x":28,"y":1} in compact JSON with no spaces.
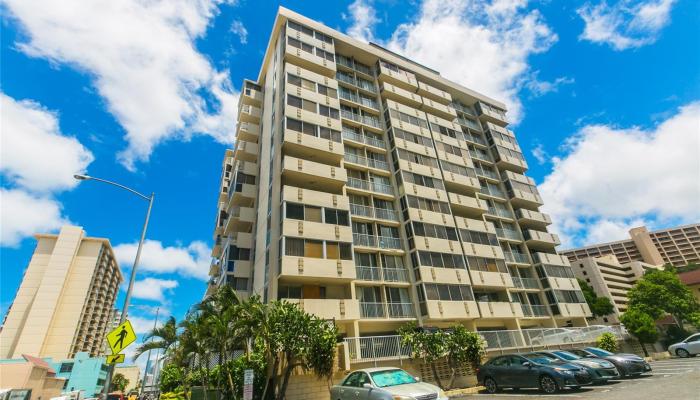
{"x":531,"y":371}
{"x":626,"y":364}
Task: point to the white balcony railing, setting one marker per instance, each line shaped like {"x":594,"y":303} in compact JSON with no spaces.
{"x":372,"y":186}
{"x":373,"y":212}
{"x":382,"y":242}
{"x":379,"y":274}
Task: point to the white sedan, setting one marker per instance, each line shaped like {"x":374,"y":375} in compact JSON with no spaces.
{"x":687,"y":348}
{"x":384,"y":384}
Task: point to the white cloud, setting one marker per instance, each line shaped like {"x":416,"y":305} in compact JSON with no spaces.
{"x":610,"y":179}
{"x":363,"y":18}
{"x":143,"y":325}
{"x":540,"y":154}
{"x":239,"y":30}
{"x":190,"y":261}
{"x":143,"y":59}
{"x":540,"y":88}
{"x":35,"y":154}
{"x":625,"y":24}
{"x":154,"y":289}
{"x":23,"y":214}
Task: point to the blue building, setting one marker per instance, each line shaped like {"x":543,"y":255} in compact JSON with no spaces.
{"x":82,"y":373}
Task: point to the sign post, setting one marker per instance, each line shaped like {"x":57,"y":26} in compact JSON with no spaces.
{"x":248,"y":377}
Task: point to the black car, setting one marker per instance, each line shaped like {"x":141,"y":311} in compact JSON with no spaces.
{"x":626,"y":364}
{"x":601,"y":370}
{"x":531,"y":371}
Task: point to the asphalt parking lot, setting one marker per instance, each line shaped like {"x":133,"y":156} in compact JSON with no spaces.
{"x":674,"y":379}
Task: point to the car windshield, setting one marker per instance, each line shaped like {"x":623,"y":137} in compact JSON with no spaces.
{"x":566,"y":355}
{"x":392,"y":377}
{"x":599,"y":352}
{"x":540,"y":359}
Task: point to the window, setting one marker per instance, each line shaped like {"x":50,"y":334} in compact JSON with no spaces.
{"x":410,"y":119}
{"x":329,"y":112}
{"x":327,"y":91}
{"x":325,"y":54}
{"x":486,"y":264}
{"x":423,"y":180}
{"x":295,"y":211}
{"x":313,"y":248}
{"x":294,"y":101}
{"x":477,"y":237}
{"x":294,"y":247}
{"x":338,"y":251}
{"x":448,"y":292}
{"x":66,"y":368}
{"x":289,"y":292}
{"x":436,"y":231}
{"x":411,"y":137}
{"x":440,"y":260}
{"x":336,"y":217}
{"x":300,"y":45}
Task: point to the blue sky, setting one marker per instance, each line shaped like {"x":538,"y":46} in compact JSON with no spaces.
{"x":604,"y":98}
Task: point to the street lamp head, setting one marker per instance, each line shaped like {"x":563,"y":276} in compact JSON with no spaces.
{"x":81,"y":177}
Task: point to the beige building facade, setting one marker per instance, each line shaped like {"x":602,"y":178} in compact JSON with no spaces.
{"x":65,"y":300}
{"x":677,"y":246}
{"x":132,"y":373}
{"x":31,"y":373}
{"x":612,"y":279}
{"x":371,"y":190}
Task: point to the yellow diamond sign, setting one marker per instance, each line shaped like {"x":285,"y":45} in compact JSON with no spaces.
{"x":121,"y":337}
{"x":115,"y":358}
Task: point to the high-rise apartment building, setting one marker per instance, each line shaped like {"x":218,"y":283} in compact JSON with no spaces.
{"x":65,"y":300}
{"x":372,"y":191}
{"x":676,"y":246}
{"x":612,"y":279}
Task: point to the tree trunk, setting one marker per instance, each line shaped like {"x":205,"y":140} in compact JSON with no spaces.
{"x":644,"y":349}
{"x":270,"y":383}
{"x":285,"y":381}
{"x":433,"y":369}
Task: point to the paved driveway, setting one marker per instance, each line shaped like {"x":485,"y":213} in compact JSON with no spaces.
{"x":674,"y":379}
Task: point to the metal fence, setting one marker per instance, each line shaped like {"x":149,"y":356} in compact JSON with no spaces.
{"x":379,"y":348}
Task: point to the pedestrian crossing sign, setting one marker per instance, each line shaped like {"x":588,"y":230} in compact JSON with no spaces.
{"x":115,"y":358}
{"x":120,"y":337}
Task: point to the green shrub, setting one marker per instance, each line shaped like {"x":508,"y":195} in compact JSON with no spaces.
{"x":171,"y":378}
{"x":607,"y":341}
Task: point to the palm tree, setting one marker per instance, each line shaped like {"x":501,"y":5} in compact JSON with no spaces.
{"x":166,"y":335}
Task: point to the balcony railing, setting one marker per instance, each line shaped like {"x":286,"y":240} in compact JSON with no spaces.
{"x":492,"y":191}
{"x":500,"y":212}
{"x":350,"y":135}
{"x":373,"y":186}
{"x":535,"y":310}
{"x":372,"y":310}
{"x":507,"y":233}
{"x":516,"y":257}
{"x":382,"y":242}
{"x":373,"y":212}
{"x":377,"y":348}
{"x":370,"y":162}
{"x":525,"y":283}
{"x":480,"y":155}
{"x":486,"y":173}
{"x":363,"y":119}
{"x":379,"y":274}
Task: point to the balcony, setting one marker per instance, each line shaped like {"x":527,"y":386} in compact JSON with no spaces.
{"x":240,"y":219}
{"x":450,"y":310}
{"x":248,"y":113}
{"x":500,"y":309}
{"x":489,"y":113}
{"x":248,"y":131}
{"x":358,"y":83}
{"x":308,"y":269}
{"x":363,"y":102}
{"x":241,"y":194}
{"x":313,"y":175}
{"x":489,"y":279}
{"x":245,"y":151}
{"x":312,"y":148}
{"x":400,"y":78}
{"x":372,"y":310}
{"x":516,"y":258}
{"x":366,"y":121}
{"x":241,"y":239}
{"x":532,"y":219}
{"x":401,"y":95}
{"x":525,"y":283}
{"x":316,"y":230}
{"x":509,"y":235}
{"x":379,"y":274}
{"x":467,"y":205}
{"x":331,"y":309}
{"x":363,"y":161}
{"x":247,"y":167}
{"x":381,"y":242}
{"x":310,"y":61}
{"x":435,"y":94}
{"x":540,"y":240}
{"x":251,"y":96}
{"x":438,"y":109}
{"x":573,"y":310}
{"x":509,"y":162}
{"x":520,"y":198}
{"x":461,"y":183}
{"x":369,"y":186}
{"x":493,"y":191}
{"x":499,"y":212}
{"x":480,"y":155}
{"x":369,"y":140}
{"x":358,"y":210}
{"x":535,"y":311}
{"x":443,"y":275}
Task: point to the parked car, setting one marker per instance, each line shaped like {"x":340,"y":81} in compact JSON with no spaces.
{"x":520,"y":371}
{"x":601,"y":370}
{"x":553,"y":336}
{"x":626,"y":364}
{"x":690,"y":347}
{"x":384,"y":384}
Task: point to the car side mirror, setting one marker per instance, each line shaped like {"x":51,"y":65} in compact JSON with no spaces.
{"x":417,"y":378}
{"x":367,"y":385}
{"x":527,"y":364}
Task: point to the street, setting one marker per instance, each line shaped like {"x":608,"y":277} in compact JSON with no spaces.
{"x":674,"y":379}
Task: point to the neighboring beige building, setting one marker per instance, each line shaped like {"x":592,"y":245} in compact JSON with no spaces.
{"x":609,"y":278}
{"x":33,"y":374}
{"x":676,"y":246}
{"x":373,"y":191}
{"x":130,"y":372}
{"x":692,"y":280}
{"x":65,"y":300}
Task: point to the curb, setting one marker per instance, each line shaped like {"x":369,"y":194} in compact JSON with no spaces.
{"x":465,"y":391}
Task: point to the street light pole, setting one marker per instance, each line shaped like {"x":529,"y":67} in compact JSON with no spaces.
{"x":125,"y":307}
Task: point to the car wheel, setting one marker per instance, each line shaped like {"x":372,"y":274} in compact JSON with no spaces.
{"x":548,"y":384}
{"x":490,"y":385}
{"x":682,"y":353}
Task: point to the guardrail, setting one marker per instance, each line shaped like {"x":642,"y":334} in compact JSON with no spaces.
{"x":381,"y":348}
